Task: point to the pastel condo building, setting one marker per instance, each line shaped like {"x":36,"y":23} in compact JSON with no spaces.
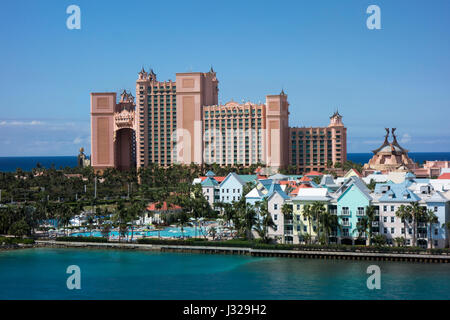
{"x":182,"y":122}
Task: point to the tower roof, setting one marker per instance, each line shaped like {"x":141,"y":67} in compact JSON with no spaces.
{"x":336,"y":114}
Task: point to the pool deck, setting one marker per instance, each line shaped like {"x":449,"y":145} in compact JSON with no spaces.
{"x":326,"y":255}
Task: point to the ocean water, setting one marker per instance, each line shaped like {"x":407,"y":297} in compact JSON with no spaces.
{"x":40,"y":273}
{"x":418,"y":157}
{"x":10,"y":164}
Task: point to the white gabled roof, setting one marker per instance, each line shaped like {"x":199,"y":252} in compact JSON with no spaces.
{"x":255,"y":193}
{"x":313,"y":194}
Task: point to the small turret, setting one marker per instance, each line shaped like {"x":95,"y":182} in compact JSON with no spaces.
{"x":336,"y":120}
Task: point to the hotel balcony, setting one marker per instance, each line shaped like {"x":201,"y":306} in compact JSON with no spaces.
{"x":288,"y":221}
{"x":333,"y":211}
{"x":288,"y":232}
{"x":346,"y":223}
{"x":375,"y":223}
{"x":360,"y":213}
{"x":345,"y":212}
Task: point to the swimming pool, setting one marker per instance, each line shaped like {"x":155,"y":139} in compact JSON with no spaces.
{"x":168,"y":232}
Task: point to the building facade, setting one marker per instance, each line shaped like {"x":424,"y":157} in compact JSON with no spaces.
{"x":315,"y":149}
{"x":181,"y":122}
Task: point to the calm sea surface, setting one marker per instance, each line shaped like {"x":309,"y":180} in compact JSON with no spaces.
{"x":114,"y":274}
{"x":9,"y":164}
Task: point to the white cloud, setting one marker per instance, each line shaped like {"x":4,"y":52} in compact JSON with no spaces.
{"x":77,"y":140}
{"x":21,"y":123}
{"x":405,"y":138}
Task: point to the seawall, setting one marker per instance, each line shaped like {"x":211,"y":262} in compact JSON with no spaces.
{"x":325,"y":255}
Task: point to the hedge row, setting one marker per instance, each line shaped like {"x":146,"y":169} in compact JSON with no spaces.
{"x":10,"y":240}
{"x":82,"y":239}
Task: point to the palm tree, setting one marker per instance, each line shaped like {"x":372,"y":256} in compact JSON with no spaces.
{"x":287,"y":210}
{"x":431,"y":219}
{"x":120,"y":216}
{"x":417,"y":213}
{"x":330,"y":222}
{"x":371,"y":212}
{"x":446,"y":226}
{"x":362,"y":227}
{"x":317,"y":211}
{"x":212,"y":232}
{"x":228,"y":212}
{"x":308,"y":213}
{"x":134,"y":212}
{"x":404,"y":212}
{"x":265,"y":222}
{"x":400,"y":241}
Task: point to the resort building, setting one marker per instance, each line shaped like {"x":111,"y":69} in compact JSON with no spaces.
{"x":316,"y":149}
{"x":231,"y":189}
{"x":181,"y":122}
{"x":113,"y":134}
{"x":305,"y":224}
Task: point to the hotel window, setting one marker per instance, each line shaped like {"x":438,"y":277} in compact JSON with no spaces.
{"x":403,"y":230}
{"x":436,"y":232}
{"x":435,"y":209}
{"x":392,"y":219}
{"x":384,"y":219}
{"x":385,"y":230}
{"x":298,"y":217}
{"x":384,"y":208}
{"x":435,"y":243}
{"x":275,"y":217}
{"x":410,"y":230}
{"x":392,"y":230}
{"x":304,"y":229}
{"x":298,"y":228}
{"x":392,"y":208}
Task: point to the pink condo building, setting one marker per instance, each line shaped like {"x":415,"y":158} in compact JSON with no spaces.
{"x":181,"y":122}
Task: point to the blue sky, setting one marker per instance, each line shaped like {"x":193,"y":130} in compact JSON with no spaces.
{"x":320,"y":52}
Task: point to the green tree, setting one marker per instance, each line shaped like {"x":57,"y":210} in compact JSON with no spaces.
{"x":404,"y":212}
{"x":431,"y":219}
{"x":265,"y":221}
{"x":20,"y":228}
{"x":309,"y":214}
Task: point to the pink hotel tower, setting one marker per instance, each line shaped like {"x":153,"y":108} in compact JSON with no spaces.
{"x":182,"y":122}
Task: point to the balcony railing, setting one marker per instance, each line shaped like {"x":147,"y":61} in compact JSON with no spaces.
{"x":333,"y":211}
{"x":346,"y":223}
{"x":345,"y":212}
{"x":288,"y":232}
{"x":360,"y":213}
{"x":288,"y":221}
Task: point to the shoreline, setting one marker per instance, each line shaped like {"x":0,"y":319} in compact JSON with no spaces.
{"x":325,"y":255}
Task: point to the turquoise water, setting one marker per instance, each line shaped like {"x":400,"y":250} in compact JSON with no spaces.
{"x":114,"y":274}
